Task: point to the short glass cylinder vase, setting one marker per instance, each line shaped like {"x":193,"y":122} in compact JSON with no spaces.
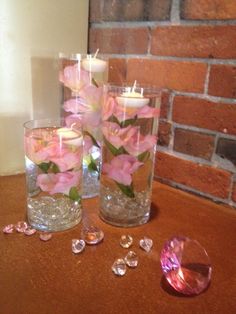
{"x":53,"y":160}
{"x":129,"y":127}
{"x":82,"y":77}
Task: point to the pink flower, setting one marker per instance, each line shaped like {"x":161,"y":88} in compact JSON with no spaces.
{"x":116,"y":135}
{"x":92,"y":96}
{"x":108,"y":108}
{"x":74,"y":78}
{"x":148,"y":112}
{"x":76,"y":105}
{"x":59,"y":182}
{"x":73,"y":118}
{"x":67,"y":160}
{"x":121,"y":168}
{"x":139,"y":144}
{"x":88,"y":144}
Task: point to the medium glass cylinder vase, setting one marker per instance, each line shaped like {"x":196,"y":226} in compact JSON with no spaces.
{"x":130,"y":121}
{"x":53,"y":160}
{"x":82,"y":77}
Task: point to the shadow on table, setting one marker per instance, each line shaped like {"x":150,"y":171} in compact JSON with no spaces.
{"x":154,"y":211}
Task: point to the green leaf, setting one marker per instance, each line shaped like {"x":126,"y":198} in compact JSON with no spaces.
{"x":126,"y":189}
{"x":55,"y":168}
{"x":144,"y":156}
{"x":94,"y":82}
{"x":44,"y":166}
{"x":74,"y":195}
{"x":113,"y":119}
{"x":128,"y":122}
{"x":115,"y":151}
{"x":95,"y":143}
{"x":92,"y":166}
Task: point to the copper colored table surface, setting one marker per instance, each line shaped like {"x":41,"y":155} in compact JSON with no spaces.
{"x":45,"y":277}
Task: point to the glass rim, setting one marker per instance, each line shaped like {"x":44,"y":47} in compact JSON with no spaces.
{"x":52,"y":122}
{"x":77,"y":56}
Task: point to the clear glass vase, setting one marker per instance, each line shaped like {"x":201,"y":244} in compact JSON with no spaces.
{"x":130,"y":121}
{"x":53,"y":160}
{"x":82,"y":77}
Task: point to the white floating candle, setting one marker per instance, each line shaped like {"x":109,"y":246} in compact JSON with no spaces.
{"x":131,"y":98}
{"x":92,"y":64}
{"x":70,"y":137}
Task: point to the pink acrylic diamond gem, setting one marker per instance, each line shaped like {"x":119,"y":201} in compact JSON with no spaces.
{"x":21,"y":226}
{"x":45,"y":236}
{"x":186,"y":265}
{"x":8,"y":229}
{"x":29,"y":231}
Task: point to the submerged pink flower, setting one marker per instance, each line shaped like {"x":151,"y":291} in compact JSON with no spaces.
{"x":139,"y":144}
{"x":73,"y":118}
{"x":76,"y":105}
{"x":74,"y":78}
{"x":59,"y":182}
{"x":148,"y":112}
{"x":116,"y":135}
{"x":121,"y":168}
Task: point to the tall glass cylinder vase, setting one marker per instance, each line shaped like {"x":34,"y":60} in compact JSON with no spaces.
{"x":83,"y":77}
{"x":130,"y":121}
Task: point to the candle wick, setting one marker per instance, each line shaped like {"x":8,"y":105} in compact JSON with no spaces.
{"x":95,"y":55}
{"x":134,"y":86}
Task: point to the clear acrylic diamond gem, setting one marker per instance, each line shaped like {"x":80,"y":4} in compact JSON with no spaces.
{"x":119,"y":267}
{"x":131,"y":259}
{"x":146,"y":244}
{"x":92,"y":235}
{"x":21,"y":226}
{"x":126,"y":241}
{"x":29,"y":231}
{"x":78,"y":246}
{"x":8,"y":229}
{"x":45,"y":236}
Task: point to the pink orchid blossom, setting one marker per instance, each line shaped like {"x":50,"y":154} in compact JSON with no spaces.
{"x":92,"y":96}
{"x":88,"y":144}
{"x":108,"y":108}
{"x":59,"y":182}
{"x":121,"y":168}
{"x":116,"y":135}
{"x":73,"y":118}
{"x":76,"y":106}
{"x":148,"y":112}
{"x":74,"y":78}
{"x":139,"y":144}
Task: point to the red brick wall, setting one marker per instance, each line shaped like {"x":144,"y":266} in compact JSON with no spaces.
{"x":188,"y":48}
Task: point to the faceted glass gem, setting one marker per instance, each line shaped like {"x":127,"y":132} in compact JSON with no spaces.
{"x":92,"y":235}
{"x":29,"y":231}
{"x":146,"y":244}
{"x":131,"y":259}
{"x":126,"y":241}
{"x":45,"y":236}
{"x":186,"y":265}
{"x":119,"y":267}
{"x":78,"y":246}
{"x":21,"y":226}
{"x":8,"y":229}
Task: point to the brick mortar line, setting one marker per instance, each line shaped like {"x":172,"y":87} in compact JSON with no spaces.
{"x":197,"y":160}
{"x":153,"y":24}
{"x":171,"y":58}
{"x":206,"y":83}
{"x":175,"y":12}
{"x":196,"y":192}
{"x":216,"y":99}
